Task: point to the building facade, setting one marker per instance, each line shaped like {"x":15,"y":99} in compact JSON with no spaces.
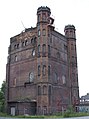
{"x":41,"y":71}
{"x":84,"y":103}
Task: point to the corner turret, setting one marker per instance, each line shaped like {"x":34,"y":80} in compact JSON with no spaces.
{"x":43,"y":15}
{"x":70,"y":32}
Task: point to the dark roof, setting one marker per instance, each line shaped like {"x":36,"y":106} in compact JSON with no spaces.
{"x":43,"y":8}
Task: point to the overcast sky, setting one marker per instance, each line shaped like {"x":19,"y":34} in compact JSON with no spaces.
{"x":65,"y":12}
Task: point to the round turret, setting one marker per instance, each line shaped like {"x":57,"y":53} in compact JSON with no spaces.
{"x":70,"y":31}
{"x":43,"y":14}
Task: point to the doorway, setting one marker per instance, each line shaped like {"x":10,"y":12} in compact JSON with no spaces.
{"x":33,"y":108}
{"x":13,"y":111}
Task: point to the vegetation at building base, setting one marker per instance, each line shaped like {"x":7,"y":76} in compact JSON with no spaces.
{"x":65,"y":115}
{"x":2,"y":97}
{"x":71,"y":113}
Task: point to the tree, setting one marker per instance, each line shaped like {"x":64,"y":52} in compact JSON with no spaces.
{"x":2,"y":97}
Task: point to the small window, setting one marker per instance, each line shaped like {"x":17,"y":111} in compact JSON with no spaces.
{"x":23,"y":44}
{"x":72,"y":47}
{"x":43,"y":32}
{"x":50,"y":91}
{"x":38,"y":48}
{"x":38,"y":17}
{"x":26,"y":42}
{"x":44,"y":90}
{"x":44,"y":48}
{"x":39,"y":90}
{"x":16,"y":58}
{"x":31,"y":76}
{"x":44,"y":69}
{"x":32,"y":41}
{"x":14,"y":82}
{"x":39,"y":70}
{"x":63,"y":79}
{"x":48,"y":70}
{"x":55,"y":76}
{"x":39,"y":33}
{"x":44,"y":17}
{"x":33,"y":52}
{"x":49,"y":51}
{"x":17,"y":46}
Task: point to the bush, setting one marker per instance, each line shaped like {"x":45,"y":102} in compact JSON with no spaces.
{"x":69,"y":112}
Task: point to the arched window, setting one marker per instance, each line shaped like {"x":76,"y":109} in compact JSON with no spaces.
{"x":44,"y":69}
{"x":23,"y":44}
{"x":39,"y":70}
{"x":44,"y":50}
{"x":14,"y":82}
{"x":50,"y":90}
{"x":44,"y":32}
{"x":33,"y":40}
{"x":33,"y":52}
{"x":26,"y":42}
{"x":55,"y":76}
{"x":39,"y":90}
{"x":38,"y":17}
{"x":63,"y":79}
{"x":39,"y":33}
{"x":49,"y":51}
{"x":15,"y":57}
{"x":43,"y":16}
{"x":44,"y":90}
{"x":17,"y":46}
{"x":38,"y":48}
{"x":48,"y":70}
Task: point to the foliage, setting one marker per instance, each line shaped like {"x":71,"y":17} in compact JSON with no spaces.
{"x":2,"y":97}
{"x":44,"y":116}
{"x":69,"y":111}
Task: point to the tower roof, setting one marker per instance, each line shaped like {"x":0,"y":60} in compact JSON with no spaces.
{"x":43,"y":8}
{"x":69,"y":27}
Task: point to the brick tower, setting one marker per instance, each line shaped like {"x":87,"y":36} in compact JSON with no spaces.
{"x":41,"y":70}
{"x":72,"y":62}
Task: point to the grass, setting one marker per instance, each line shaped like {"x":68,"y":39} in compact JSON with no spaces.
{"x":75,"y":114}
{"x":66,"y":114}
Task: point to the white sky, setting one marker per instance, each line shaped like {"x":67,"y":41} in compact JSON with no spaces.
{"x":65,"y":12}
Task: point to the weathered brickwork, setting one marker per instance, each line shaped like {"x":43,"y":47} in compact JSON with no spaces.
{"x":41,"y":73}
